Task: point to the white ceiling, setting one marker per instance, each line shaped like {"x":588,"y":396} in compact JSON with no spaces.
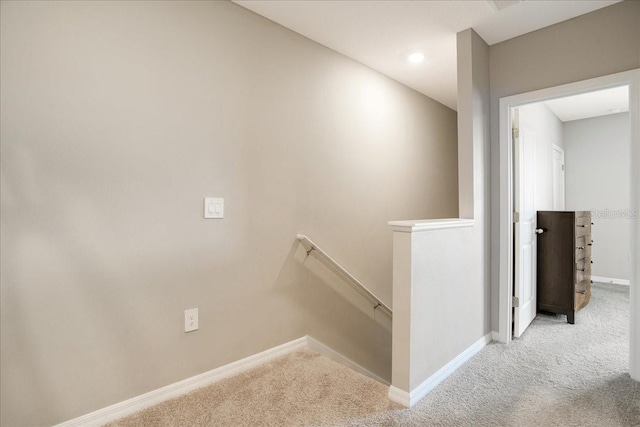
{"x":381,"y":34}
{"x":591,"y":104}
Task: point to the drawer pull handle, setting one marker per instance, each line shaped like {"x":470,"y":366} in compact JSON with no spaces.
{"x":580,"y":248}
{"x":581,"y":226}
{"x":589,"y":244}
{"x":582,"y":269}
{"x":539,"y":230}
{"x":581,"y":292}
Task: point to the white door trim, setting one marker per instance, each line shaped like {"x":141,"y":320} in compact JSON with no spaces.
{"x":630,"y":78}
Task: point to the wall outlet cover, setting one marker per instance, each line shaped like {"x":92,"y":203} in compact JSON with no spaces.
{"x":191,"y":320}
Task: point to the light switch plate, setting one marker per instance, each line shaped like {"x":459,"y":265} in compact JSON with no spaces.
{"x":214,"y":207}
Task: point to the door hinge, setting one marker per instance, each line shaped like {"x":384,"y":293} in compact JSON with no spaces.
{"x":515,"y":302}
{"x":515,"y":133}
{"x":516,"y":217}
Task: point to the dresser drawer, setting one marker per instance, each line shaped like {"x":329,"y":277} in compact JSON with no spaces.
{"x":583,"y":247}
{"x":582,"y":293}
{"x":583,"y":270}
{"x":583,"y":286}
{"x":581,"y":299}
{"x":583,"y":226}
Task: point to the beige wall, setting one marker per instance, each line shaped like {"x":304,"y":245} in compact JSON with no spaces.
{"x":599,"y":43}
{"x":117,"y":119}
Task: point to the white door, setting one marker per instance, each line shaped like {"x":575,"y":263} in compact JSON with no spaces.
{"x":524,"y":283}
{"x":558,"y":178}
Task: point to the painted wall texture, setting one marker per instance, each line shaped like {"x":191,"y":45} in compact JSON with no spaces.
{"x":597,"y":179}
{"x":118,"y":118}
{"x":596,"y":44}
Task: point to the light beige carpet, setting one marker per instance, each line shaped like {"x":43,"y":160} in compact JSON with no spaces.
{"x":300,"y":389}
{"x":556,"y":374}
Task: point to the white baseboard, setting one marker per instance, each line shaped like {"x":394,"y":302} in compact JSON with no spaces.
{"x":138,"y":403}
{"x":409,"y":399}
{"x":399,"y":396}
{"x":319,"y":347}
{"x":623,"y":282}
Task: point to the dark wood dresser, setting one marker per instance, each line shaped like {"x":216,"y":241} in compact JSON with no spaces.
{"x":564,"y":262}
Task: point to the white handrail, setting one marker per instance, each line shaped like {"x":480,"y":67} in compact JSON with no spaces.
{"x":377,"y":302}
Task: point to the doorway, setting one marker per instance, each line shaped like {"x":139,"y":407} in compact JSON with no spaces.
{"x":594,"y":129}
{"x":506,"y":242}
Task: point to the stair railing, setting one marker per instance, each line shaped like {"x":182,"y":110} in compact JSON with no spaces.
{"x":355,"y":283}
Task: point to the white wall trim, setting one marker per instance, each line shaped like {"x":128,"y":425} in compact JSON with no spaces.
{"x":409,"y":399}
{"x":611,"y":280}
{"x":414,"y":226}
{"x":634,"y":231}
{"x":399,"y":396}
{"x":143,"y":401}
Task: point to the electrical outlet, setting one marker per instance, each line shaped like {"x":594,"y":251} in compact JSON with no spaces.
{"x":191,"y":320}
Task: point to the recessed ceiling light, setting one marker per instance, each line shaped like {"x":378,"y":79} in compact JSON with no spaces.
{"x":416,"y":57}
{"x":498,"y":5}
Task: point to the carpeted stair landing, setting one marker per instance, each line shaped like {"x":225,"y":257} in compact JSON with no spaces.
{"x":556,"y":374}
{"x":302,"y":388}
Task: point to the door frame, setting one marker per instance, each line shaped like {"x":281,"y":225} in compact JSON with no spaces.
{"x":506,"y":104}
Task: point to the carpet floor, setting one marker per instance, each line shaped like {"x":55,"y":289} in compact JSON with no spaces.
{"x":556,"y":374}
